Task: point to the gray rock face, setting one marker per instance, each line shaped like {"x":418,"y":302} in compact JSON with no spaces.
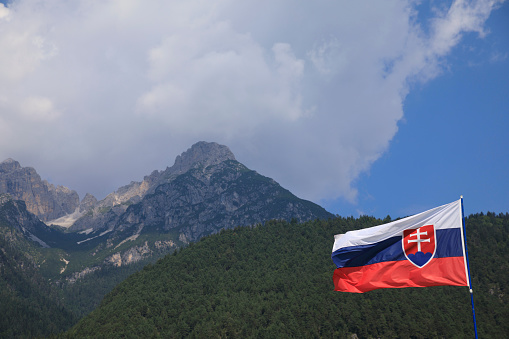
{"x":79,"y":275}
{"x":14,"y":213}
{"x":201,"y":154}
{"x":205,"y":191}
{"x":105,"y":213}
{"x":42,"y":198}
{"x":204,"y":200}
{"x":132,"y":255}
{"x":88,"y":202}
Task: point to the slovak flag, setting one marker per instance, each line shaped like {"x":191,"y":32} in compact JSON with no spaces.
{"x":426,"y":249}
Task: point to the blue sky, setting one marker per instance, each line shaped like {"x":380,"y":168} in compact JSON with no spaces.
{"x":364,"y":107}
{"x":454,"y":139}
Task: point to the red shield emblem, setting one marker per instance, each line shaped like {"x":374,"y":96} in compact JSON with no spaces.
{"x":419,"y":245}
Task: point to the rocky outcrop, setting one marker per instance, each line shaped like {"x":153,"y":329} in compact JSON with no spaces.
{"x":88,"y":202}
{"x":204,"y":191}
{"x":105,"y":213}
{"x":14,"y":213}
{"x":201,"y":154}
{"x":208,"y":198}
{"x":80,"y":275}
{"x":130,"y":256}
{"x":41,"y":198}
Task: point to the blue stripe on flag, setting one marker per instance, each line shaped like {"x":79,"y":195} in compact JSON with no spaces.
{"x":448,"y":245}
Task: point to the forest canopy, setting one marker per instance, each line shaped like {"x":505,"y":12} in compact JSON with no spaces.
{"x":275,"y":280}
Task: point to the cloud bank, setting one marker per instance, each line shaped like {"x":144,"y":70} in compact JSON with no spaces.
{"x":94,"y":94}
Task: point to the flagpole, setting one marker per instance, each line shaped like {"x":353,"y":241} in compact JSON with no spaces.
{"x":468,"y":266}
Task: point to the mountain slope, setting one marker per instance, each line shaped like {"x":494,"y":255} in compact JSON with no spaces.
{"x":107,"y":211}
{"x":42,"y":198}
{"x":29,"y":305}
{"x":275,"y":280}
{"x":205,"y":191}
{"x":204,"y":200}
{"x":101,"y":242}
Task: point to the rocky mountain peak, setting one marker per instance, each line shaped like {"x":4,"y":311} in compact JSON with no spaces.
{"x":88,"y":202}
{"x":41,"y":198}
{"x":9,"y":165}
{"x":202,"y":154}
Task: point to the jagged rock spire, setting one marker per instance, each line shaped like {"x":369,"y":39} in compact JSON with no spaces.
{"x":9,"y":165}
{"x":202,"y":154}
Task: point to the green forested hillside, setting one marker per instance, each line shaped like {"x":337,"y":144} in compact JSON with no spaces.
{"x":86,"y":293}
{"x":275,"y":280}
{"x":29,"y":305}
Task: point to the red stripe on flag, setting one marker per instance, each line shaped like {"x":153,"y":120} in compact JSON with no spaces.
{"x":398,"y":274}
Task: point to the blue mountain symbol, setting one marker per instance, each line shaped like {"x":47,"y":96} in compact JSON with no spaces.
{"x":419,"y":258}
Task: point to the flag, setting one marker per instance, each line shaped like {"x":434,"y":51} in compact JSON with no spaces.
{"x":426,"y":249}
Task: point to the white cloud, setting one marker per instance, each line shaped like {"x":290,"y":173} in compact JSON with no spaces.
{"x":38,"y":109}
{"x":4,"y":12}
{"x":328,"y":57}
{"x":309,"y":93}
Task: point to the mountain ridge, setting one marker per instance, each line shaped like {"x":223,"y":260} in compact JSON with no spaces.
{"x":204,"y":191}
{"x":97,"y":244}
{"x":200,"y":154}
{"x":43,"y":199}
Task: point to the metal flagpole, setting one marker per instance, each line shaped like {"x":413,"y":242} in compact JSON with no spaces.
{"x":468,"y":267}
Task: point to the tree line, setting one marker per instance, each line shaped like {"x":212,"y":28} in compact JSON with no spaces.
{"x":275,"y":280}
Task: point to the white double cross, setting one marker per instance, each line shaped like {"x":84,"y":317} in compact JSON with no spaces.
{"x":419,"y":240}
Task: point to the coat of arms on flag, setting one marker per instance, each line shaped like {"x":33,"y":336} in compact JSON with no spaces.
{"x":419,"y":244}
